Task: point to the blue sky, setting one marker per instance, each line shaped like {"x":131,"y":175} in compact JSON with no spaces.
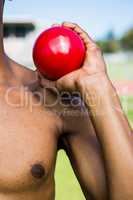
{"x":96,"y":16}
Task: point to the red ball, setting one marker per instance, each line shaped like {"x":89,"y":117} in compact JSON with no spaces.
{"x":58,"y":51}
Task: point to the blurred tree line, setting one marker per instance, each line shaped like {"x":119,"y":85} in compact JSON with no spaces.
{"x":111,"y":45}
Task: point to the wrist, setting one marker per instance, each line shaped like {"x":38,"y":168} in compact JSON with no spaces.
{"x":97,"y":92}
{"x":98,"y":82}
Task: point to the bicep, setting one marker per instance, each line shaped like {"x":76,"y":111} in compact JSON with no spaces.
{"x":85,"y":155}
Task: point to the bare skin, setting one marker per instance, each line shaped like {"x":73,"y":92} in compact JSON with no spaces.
{"x":112,"y":128}
{"x":29,"y":148}
{"x":29,"y":138}
{"x":27,"y":161}
{"x":30,"y":135}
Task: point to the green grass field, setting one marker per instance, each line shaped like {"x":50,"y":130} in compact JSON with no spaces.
{"x":67,"y":186}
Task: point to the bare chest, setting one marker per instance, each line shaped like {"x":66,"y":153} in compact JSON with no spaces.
{"x":28,"y":146}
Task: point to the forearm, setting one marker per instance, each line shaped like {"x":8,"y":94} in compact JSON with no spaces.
{"x":114,"y":134}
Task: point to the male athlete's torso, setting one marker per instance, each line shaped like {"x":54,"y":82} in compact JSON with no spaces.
{"x":28,"y":145}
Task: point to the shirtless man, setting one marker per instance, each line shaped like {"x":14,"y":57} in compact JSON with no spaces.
{"x":29,"y":138}
{"x":30,"y":135}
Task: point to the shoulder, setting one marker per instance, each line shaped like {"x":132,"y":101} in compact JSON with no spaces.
{"x":24,"y":73}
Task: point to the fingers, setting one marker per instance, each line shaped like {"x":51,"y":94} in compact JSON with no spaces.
{"x":56,"y":24}
{"x":89,"y":42}
{"x":80,"y":31}
{"x":44,"y":82}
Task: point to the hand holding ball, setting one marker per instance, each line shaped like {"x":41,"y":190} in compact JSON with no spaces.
{"x":58,"y":51}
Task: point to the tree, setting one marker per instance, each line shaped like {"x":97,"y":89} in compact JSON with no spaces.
{"x":109,"y":46}
{"x":127,"y":40}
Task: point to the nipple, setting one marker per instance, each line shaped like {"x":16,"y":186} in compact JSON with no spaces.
{"x":37,"y":171}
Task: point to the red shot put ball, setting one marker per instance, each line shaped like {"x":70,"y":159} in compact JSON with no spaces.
{"x":58,"y":51}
